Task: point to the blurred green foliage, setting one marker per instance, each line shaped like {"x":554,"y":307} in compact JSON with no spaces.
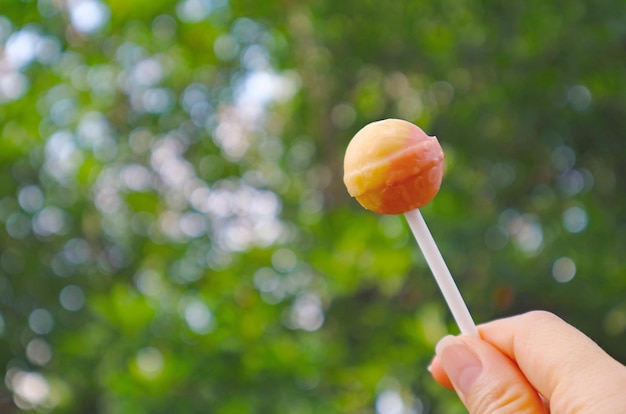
{"x":175,"y":235}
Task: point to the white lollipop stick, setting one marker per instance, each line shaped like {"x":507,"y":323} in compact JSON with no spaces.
{"x":442,"y":275}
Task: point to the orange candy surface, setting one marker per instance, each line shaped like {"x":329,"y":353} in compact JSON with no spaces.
{"x":392,"y":167}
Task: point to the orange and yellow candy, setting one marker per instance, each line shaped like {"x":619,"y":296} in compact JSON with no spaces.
{"x":392,"y":167}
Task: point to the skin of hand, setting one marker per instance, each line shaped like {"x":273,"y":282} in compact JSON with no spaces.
{"x":530,"y":363}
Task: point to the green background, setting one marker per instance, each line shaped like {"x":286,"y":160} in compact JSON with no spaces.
{"x":175,"y":236}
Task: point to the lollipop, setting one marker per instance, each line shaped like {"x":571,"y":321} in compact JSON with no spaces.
{"x":393,"y":167}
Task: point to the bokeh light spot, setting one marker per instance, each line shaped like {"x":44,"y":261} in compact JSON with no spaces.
{"x":563,"y":269}
{"x":198,"y":316}
{"x":150,"y":361}
{"x":72,"y":298}
{"x":18,"y":225}
{"x":13,"y":85}
{"x":38,"y":352}
{"x":527,"y":232}
{"x":343,"y":115}
{"x":192,"y":11}
{"x":563,"y":158}
{"x":389,"y":402}
{"x":49,"y":221}
{"x":88,"y":15}
{"x":615,"y":322}
{"x":284,"y":260}
{"x":21,"y":47}
{"x":149,"y":282}
{"x":164,"y":27}
{"x":575,"y":219}
{"x":31,"y":387}
{"x":226,"y":48}
{"x":307,"y":313}
{"x":579,"y":97}
{"x":31,"y":198}
{"x":40,"y":321}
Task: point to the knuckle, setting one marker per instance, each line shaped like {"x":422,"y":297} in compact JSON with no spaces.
{"x":541,"y":316}
{"x":505,"y":399}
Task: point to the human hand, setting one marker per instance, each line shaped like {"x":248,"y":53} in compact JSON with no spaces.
{"x":531,"y":363}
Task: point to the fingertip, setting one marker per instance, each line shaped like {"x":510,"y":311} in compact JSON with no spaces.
{"x":486,"y":380}
{"x":439,"y":375}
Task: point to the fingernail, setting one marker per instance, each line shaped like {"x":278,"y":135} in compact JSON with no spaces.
{"x":460,"y":363}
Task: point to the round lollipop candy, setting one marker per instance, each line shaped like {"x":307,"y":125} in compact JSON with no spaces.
{"x":393,"y":167}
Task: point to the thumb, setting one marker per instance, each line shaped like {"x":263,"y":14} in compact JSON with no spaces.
{"x":486,"y":380}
